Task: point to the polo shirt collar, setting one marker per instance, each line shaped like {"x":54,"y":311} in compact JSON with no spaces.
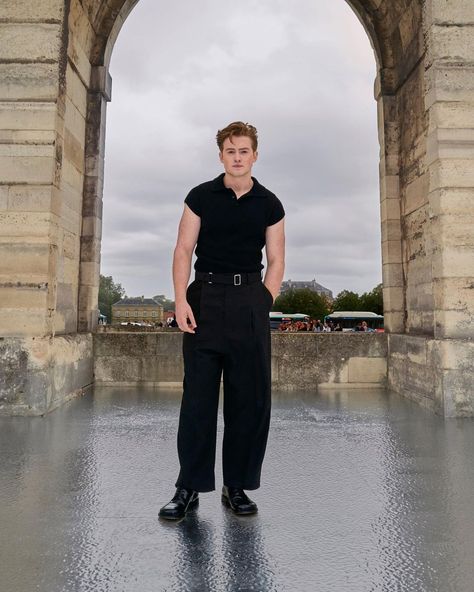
{"x":257,"y":189}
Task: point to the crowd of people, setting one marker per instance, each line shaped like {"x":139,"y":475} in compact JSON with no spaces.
{"x":315,"y":325}
{"x":318,"y":326}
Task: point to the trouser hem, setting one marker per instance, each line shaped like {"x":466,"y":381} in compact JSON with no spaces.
{"x":243,"y":486}
{"x":199,"y":488}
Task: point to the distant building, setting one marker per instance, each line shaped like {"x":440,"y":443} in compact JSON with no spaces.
{"x":311,"y":284}
{"x":137,"y":309}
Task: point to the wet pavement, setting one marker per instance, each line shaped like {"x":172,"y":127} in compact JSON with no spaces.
{"x":361,"y":491}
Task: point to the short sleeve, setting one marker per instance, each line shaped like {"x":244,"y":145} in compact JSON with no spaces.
{"x":193,"y":200}
{"x":277,"y":212}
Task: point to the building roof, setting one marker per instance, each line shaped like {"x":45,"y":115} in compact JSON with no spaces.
{"x":138,"y":301}
{"x":305,"y":283}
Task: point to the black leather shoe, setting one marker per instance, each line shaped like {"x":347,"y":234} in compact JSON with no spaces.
{"x":238,"y":501}
{"x":183,"y":500}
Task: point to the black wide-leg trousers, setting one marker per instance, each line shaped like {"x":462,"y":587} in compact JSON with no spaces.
{"x":232,"y":338}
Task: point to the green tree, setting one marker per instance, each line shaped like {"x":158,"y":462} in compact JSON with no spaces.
{"x":373,"y":301}
{"x":304,"y":301}
{"x":368,"y":301}
{"x":347,"y":300}
{"x":109,"y":293}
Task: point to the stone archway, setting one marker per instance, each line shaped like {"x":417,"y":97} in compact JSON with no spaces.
{"x":57,"y":74}
{"x":377,"y":22}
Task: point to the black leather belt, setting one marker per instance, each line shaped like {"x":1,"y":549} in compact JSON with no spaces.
{"x":228,"y":278}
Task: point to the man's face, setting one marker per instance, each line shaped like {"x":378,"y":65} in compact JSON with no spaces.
{"x":238,"y":156}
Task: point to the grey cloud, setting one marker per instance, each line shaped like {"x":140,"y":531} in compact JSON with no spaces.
{"x":179,"y":75}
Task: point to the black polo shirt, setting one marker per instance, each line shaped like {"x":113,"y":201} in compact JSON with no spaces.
{"x":232,"y":233}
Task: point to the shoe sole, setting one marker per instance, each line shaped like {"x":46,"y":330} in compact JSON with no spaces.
{"x":227,"y":503}
{"x":191,"y":506}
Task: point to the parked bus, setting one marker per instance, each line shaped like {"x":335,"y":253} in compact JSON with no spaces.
{"x":276,"y":318}
{"x":349,"y":319}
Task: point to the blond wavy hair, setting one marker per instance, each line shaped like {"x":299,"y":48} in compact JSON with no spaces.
{"x":237,"y":128}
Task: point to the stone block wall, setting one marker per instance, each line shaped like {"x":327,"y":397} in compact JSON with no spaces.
{"x":433,"y":363}
{"x":38,"y":374}
{"x":30,"y":46}
{"x":299,"y":360}
{"x":437,"y":374}
{"x":449,"y":103}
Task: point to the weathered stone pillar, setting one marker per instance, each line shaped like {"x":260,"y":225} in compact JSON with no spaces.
{"x":392,"y":268}
{"x":43,"y":361}
{"x":450,"y":160}
{"x":99,"y":94}
{"x":449,"y":32}
{"x":31,"y":74}
{"x":433,"y":361}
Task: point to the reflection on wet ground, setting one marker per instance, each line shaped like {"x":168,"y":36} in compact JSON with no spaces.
{"x":361,"y":491}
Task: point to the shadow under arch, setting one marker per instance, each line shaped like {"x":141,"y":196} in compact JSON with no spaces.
{"x":111,"y":16}
{"x":397,"y":61}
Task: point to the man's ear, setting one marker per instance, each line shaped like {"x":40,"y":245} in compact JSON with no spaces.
{"x":220,"y":157}
{"x":255,"y":155}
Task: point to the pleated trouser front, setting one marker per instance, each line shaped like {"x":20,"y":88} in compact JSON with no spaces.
{"x":232,"y":338}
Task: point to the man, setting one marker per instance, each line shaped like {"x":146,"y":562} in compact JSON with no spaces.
{"x":231,"y":218}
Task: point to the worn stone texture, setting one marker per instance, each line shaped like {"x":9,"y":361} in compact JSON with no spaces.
{"x":39,"y":42}
{"x":437,"y":373}
{"x":29,"y":82}
{"x":329,"y":360}
{"x":38,"y":374}
{"x":368,"y":370}
{"x":54,"y":91}
{"x":28,"y":12}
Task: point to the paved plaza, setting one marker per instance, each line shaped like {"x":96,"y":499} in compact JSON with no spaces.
{"x":361,"y":491}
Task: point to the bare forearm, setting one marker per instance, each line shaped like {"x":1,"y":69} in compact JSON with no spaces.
{"x":274,"y":276}
{"x":181,"y":273}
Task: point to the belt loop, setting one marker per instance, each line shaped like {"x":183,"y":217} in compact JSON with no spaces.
{"x":210,"y":281}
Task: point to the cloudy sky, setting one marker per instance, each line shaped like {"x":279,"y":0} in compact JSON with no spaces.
{"x":302,"y":72}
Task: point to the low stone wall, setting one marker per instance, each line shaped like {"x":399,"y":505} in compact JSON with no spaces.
{"x":436,"y":373}
{"x":299,"y":360}
{"x":38,"y":374}
{"x":325,"y":360}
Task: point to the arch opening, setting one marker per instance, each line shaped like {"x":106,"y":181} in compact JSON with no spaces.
{"x":309,"y":90}
{"x":110,"y":22}
{"x":395,"y":31}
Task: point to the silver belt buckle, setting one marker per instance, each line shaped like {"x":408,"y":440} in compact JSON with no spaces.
{"x":240,"y":279}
